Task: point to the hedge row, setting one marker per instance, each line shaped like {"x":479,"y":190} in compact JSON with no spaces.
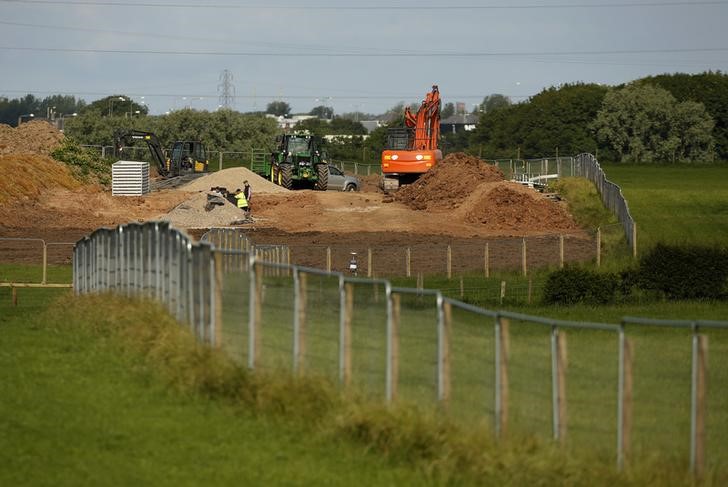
{"x":675,"y":272}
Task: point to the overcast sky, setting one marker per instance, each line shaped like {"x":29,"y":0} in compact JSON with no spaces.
{"x":364,"y":55}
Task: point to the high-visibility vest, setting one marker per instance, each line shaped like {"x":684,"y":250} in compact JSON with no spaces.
{"x":242,"y":202}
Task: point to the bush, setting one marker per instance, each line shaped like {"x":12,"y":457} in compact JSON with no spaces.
{"x":685,"y":272}
{"x":85,"y":164}
{"x":574,"y":285}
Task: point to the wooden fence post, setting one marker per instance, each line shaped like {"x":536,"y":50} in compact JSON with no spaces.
{"x":462,"y":288}
{"x":408,"y":261}
{"x":627,"y":400}
{"x":701,"y":405}
{"x":502,"y":291}
{"x":561,"y":365}
{"x":303,"y":301}
{"x":396,"y":308}
{"x":14,"y":293}
{"x":369,"y":262}
{"x":486,"y":259}
{"x":449,"y":262}
{"x":530,"y":289}
{"x":328,"y":259}
{"x":561,"y":251}
{"x":599,"y":246}
{"x":445,"y":356}
{"x":348,"y":313}
{"x":634,"y":240}
{"x":258,"y":313}
{"x":505,"y":346}
{"x":524,"y":263}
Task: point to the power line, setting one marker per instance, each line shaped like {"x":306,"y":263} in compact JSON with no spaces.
{"x":186,"y":38}
{"x":463,"y":54}
{"x":414,"y":7}
{"x":226,"y":89}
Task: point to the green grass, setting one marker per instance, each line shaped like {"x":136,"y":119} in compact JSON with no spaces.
{"x":661,"y":373}
{"x":59,"y":274}
{"x":77,"y":411}
{"x":675,"y":204}
{"x":107,"y":390}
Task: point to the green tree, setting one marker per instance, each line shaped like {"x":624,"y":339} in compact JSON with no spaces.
{"x":116,"y":106}
{"x":645,"y":123}
{"x":555,"y":119}
{"x":322,"y":111}
{"x":278,"y":108}
{"x":447,"y":111}
{"x":494,"y":102}
{"x":52,"y":107}
{"x":225,"y":130}
{"x":710,"y":89}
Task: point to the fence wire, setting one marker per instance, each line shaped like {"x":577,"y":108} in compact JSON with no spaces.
{"x":625,"y":391}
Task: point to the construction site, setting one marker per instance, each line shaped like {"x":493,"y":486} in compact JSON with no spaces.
{"x":462,"y":202}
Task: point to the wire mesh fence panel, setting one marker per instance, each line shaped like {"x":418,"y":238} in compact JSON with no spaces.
{"x":591,"y":385}
{"x":232,"y":159}
{"x":529,"y":379}
{"x":319,"y":323}
{"x":235,"y":295}
{"x":368,"y":334}
{"x":716,"y":413}
{"x":661,"y":378}
{"x":418,"y":349}
{"x":275,"y":299}
{"x":472,"y":367}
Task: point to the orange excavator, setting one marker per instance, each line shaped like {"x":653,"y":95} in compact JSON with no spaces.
{"x":413,"y":149}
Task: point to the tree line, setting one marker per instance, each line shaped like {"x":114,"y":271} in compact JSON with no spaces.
{"x":666,"y":118}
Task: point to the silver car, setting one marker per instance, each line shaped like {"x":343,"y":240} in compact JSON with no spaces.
{"x":339,"y":181}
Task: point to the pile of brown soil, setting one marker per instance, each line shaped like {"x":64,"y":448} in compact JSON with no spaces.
{"x":27,"y":176}
{"x":448,"y":183}
{"x":37,"y":137}
{"x":510,"y":206}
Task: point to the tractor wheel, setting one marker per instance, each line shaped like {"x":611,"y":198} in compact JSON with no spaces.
{"x":273,"y":178}
{"x":322,"y":180}
{"x":285,"y":176}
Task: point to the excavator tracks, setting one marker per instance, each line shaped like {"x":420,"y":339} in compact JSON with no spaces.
{"x":175,"y":182}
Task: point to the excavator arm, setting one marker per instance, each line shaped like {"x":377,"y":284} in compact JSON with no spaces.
{"x":126,"y":137}
{"x":413,"y":150}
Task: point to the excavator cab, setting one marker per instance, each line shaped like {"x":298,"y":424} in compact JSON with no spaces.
{"x":188,"y":156}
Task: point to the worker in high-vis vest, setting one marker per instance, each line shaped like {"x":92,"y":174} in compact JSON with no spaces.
{"x":242,"y":202}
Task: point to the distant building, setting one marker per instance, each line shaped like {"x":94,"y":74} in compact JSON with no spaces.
{"x":459,"y":123}
{"x":371,"y":125}
{"x":290,"y":122}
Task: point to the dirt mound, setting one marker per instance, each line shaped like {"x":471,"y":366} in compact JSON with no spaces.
{"x":448,"y":183}
{"x":192,"y":214}
{"x":510,"y":206}
{"x":27,"y":176}
{"x":38,"y":137}
{"x":232,"y":179}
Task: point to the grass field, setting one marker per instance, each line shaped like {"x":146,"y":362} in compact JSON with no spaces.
{"x":661,"y":376}
{"x":104,"y":391}
{"x":675,"y":204}
{"x":75,"y":410}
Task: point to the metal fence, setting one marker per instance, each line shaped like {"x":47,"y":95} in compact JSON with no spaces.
{"x":626,"y":390}
{"x":582,"y":165}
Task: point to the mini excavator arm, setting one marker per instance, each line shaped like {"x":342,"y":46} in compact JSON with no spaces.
{"x":125,"y":137}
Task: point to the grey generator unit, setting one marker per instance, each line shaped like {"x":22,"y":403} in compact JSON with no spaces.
{"x":129,"y":178}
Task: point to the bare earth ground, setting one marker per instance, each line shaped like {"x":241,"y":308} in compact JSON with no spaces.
{"x":461,"y":202}
{"x":445,"y":209}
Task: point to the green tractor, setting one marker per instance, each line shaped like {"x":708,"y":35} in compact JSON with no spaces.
{"x":298,"y":161}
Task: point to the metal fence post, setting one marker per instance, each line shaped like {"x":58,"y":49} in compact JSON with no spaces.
{"x":390,"y":341}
